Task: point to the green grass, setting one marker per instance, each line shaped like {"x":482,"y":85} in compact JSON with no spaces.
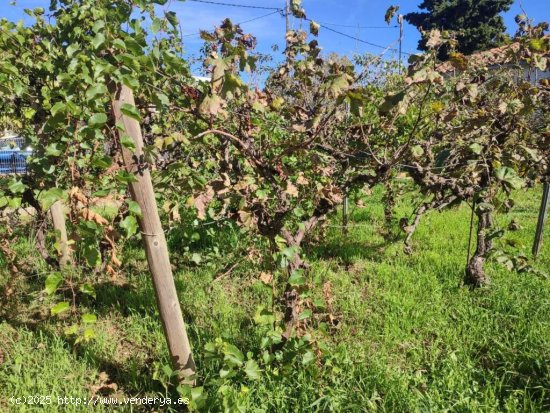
{"x":409,"y":337}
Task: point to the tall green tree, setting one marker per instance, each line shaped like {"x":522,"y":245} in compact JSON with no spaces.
{"x":477,"y":23}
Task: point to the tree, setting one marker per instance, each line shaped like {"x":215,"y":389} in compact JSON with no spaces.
{"x":477,"y":23}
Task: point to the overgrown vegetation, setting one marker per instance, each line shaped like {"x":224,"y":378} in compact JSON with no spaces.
{"x":236,"y":190}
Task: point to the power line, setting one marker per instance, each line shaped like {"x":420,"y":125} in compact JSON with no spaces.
{"x":279,"y":10}
{"x":349,"y":26}
{"x":356,"y":38}
{"x":244,"y":6}
{"x":243,"y":22}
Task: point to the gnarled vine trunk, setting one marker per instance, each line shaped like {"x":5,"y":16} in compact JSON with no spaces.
{"x":475,"y":272}
{"x":291,"y":298}
{"x":291,"y":295}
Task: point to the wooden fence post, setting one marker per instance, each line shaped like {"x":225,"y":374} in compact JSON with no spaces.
{"x":542,"y":219}
{"x":345,"y":215}
{"x":58,"y":219}
{"x":154,"y":240}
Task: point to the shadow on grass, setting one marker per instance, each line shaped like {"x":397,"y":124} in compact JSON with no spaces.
{"x":347,"y":250}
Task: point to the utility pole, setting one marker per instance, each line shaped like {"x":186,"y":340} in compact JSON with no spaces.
{"x":400,"y":21}
{"x":287,"y":17}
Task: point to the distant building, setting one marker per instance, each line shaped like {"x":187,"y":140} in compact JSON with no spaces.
{"x":201,"y":79}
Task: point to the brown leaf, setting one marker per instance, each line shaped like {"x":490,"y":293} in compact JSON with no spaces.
{"x":434,"y":39}
{"x":246,"y":218}
{"x":302,"y":180}
{"x":90,"y":215}
{"x":291,"y":189}
{"x":202,"y":200}
{"x":266,"y":277}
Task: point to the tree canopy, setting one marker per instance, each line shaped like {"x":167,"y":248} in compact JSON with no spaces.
{"x":478,"y":23}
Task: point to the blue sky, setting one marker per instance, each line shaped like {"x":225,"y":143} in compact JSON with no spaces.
{"x":270,"y":30}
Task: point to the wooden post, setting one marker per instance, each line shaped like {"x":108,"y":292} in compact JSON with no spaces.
{"x":58,"y":219}
{"x":345,"y":213}
{"x":154,"y":240}
{"x":542,"y":219}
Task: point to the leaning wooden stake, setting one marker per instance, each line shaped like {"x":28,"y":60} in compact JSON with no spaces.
{"x":345,"y":215}
{"x":58,"y":219}
{"x":542,"y":219}
{"x":154,"y":240}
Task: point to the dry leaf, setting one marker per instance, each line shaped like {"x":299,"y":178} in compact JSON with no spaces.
{"x":291,"y":189}
{"x":266,"y":277}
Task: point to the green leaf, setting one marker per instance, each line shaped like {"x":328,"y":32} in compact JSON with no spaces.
{"x":305,"y":314}
{"x":130,"y":81}
{"x":60,"y":308}
{"x":102,"y":161}
{"x":130,"y":225}
{"x":49,"y":197}
{"x":476,"y":148}
{"x":8,"y":68}
{"x":263,"y":316}
{"x":232,"y":355}
{"x":89,"y":318}
{"x":156,"y":25}
{"x":97,"y":120}
{"x":163,"y":99}
{"x":172,"y":18}
{"x":196,"y":392}
{"x":98,"y":25}
{"x":308,"y":358}
{"x":96,"y":90}
{"x":17,"y":187}
{"x":297,"y":278}
{"x":134,"y":208}
{"x":417,"y":151}
{"x":98,"y":40}
{"x":119,"y":44}
{"x":130,"y":111}
{"x":125,"y":177}
{"x":52,"y":150}
{"x":196,"y":258}
{"x":88,"y":289}
{"x":252,"y":370}
{"x":15,"y":202}
{"x":89,"y":334}
{"x":59,"y":107}
{"x":509,"y":176}
{"x":52,"y":282}
{"x":92,"y":254}
{"x":128,"y":142}
{"x":72,"y":49}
